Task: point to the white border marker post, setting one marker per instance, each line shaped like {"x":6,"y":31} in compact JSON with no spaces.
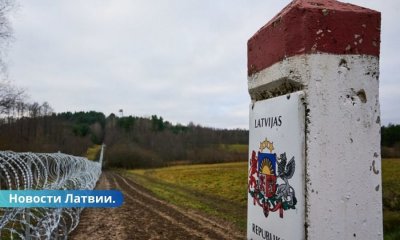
{"x":328,"y":52}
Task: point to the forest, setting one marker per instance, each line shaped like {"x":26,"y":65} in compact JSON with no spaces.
{"x":131,"y":141}
{"x":138,"y":142}
{"x":390,"y":141}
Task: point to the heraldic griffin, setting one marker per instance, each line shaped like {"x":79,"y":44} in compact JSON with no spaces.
{"x":285,"y":172}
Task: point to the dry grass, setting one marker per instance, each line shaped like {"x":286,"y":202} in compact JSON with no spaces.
{"x":391,"y":198}
{"x":93,"y":152}
{"x":209,"y":187}
{"x":217,"y":189}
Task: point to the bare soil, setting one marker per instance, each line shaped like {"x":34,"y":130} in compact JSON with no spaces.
{"x":143,"y":216}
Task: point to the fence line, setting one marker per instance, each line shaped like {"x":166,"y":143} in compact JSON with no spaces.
{"x":43,"y":171}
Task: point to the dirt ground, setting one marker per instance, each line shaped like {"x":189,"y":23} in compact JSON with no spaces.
{"x":143,"y":216}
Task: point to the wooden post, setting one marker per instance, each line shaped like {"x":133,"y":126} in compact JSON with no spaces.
{"x":322,"y":55}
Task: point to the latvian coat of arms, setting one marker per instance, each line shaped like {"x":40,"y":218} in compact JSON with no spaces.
{"x":269,"y":177}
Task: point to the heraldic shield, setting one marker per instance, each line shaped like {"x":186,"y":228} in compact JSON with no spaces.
{"x":264,"y":171}
{"x":267,"y":174}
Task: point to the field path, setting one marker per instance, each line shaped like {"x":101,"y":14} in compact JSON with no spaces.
{"x":143,"y":216}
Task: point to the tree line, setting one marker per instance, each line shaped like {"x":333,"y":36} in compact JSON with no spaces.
{"x":15,"y":104}
{"x":131,"y":141}
{"x":390,"y":140}
{"x":154,"y":142}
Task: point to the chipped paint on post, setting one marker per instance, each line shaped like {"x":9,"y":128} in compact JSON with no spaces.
{"x":343,"y":142}
{"x":310,"y":47}
{"x":276,"y":168}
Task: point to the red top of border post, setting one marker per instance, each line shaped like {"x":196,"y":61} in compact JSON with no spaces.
{"x":314,"y":26}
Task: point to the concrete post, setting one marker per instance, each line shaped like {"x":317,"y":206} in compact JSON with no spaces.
{"x":327,"y":52}
{"x":102,"y":154}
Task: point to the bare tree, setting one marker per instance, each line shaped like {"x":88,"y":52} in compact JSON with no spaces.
{"x":21,"y":107}
{"x":47,"y":110}
{"x":34,"y":110}
{"x":9,"y":97}
{"x":5,"y":7}
{"x":5,"y":30}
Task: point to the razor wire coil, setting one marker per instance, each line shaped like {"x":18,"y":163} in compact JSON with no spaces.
{"x":43,"y":171}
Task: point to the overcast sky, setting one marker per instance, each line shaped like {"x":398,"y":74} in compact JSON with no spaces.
{"x":183,"y":60}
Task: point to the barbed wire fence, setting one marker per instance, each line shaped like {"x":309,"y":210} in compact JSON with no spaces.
{"x":44,"y":171}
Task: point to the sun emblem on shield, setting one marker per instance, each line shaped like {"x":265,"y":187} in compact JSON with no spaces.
{"x":265,"y":170}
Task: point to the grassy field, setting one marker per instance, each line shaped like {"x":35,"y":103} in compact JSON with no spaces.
{"x":240,"y":148}
{"x":220,"y":190}
{"x":217,"y":189}
{"x":93,"y":152}
{"x":391,"y":198}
